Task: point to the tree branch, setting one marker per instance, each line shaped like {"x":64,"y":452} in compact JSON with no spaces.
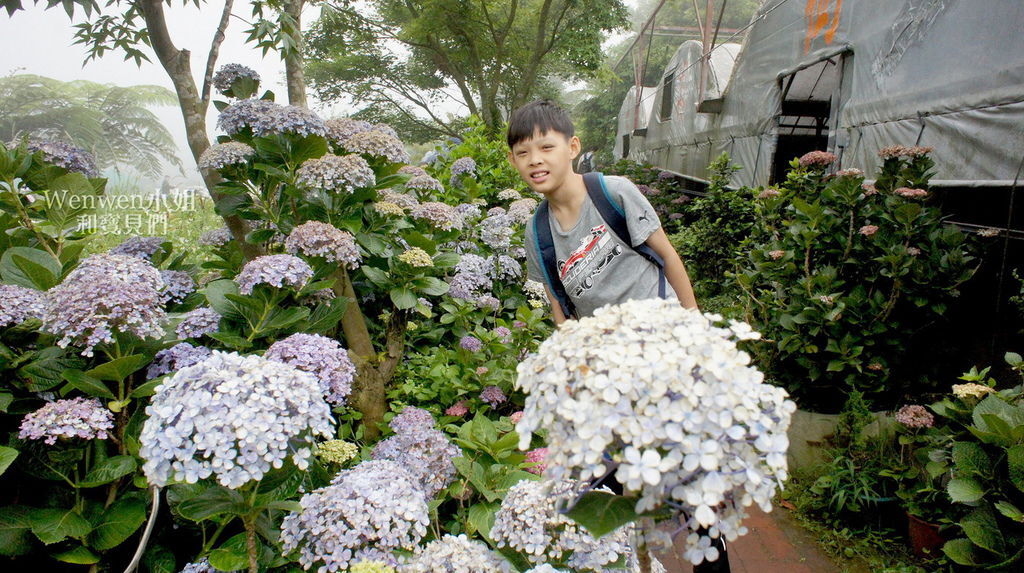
{"x":211,"y":60}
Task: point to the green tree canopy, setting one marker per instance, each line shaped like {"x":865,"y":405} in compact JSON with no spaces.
{"x":114,"y":123}
{"x":407,"y":57}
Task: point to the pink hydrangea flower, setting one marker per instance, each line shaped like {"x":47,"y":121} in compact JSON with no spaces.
{"x":480,"y":371}
{"x":911,"y":193}
{"x":869,"y":189}
{"x":537,"y":458}
{"x":776,"y":255}
{"x":817,"y":159}
{"x":457,"y":409}
{"x":915,"y":417}
{"x":768,"y":193}
{"x":516,"y":416}
{"x":868,"y":230}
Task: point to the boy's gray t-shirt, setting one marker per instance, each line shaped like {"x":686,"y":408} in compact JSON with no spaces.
{"x":596,"y":267}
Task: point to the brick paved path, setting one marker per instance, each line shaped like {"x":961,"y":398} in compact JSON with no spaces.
{"x":776,"y":543}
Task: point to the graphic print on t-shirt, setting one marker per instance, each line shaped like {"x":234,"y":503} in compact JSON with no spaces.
{"x":588,"y":260}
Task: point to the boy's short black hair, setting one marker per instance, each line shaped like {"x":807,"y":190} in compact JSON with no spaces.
{"x":544,"y":115}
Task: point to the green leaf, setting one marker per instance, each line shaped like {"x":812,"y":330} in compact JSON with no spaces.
{"x":326,"y":317}
{"x":7,"y":457}
{"x":994,"y":404}
{"x":474,"y":472}
{"x":446,"y":260}
{"x":53,"y":525}
{"x":5,"y":401}
{"x":14,"y":530}
{"x":108,"y":470}
{"x":970,"y":459}
{"x":287,"y":317}
{"x":1013,"y":359}
{"x":965,"y":490}
{"x":12,"y":273}
{"x":118,"y":523}
{"x":1015,"y":461}
{"x":961,"y":551}
{"x":119,"y":369}
{"x":601,"y":513}
{"x":79,"y":556}
{"x":308,"y":148}
{"x":419,"y":240}
{"x":260,"y":236}
{"x":215,"y":291}
{"x":232,"y":556}
{"x":85,"y":383}
{"x":1009,"y":511}
{"x":376,"y":276}
{"x":907,"y":213}
{"x":231,"y":339}
{"x":981,"y":527}
{"x":46,"y":367}
{"x":403,"y":298}
{"x":484,"y":432}
{"x":159,"y":559}
{"x":147,"y":389}
{"x":481,"y":519}
{"x":432,"y":286}
{"x":216,"y":500}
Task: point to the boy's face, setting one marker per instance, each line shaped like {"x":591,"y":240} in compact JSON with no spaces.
{"x":545,"y":160}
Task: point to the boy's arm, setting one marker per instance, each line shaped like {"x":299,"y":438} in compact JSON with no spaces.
{"x":556,"y":309}
{"x":675,"y":271}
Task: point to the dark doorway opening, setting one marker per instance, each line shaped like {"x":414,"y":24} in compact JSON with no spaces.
{"x":806,"y":110}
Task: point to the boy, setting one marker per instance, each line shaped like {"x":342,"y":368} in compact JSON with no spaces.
{"x":594,"y":265}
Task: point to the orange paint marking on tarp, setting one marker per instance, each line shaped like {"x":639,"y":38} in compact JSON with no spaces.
{"x":822,"y":16}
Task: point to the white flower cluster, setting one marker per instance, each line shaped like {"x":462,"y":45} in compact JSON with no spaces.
{"x":529,"y":522}
{"x":456,"y":554}
{"x":364,"y":514}
{"x":672,"y":400}
{"x":232,"y":416}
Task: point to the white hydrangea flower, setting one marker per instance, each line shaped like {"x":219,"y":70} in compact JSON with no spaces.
{"x":687,"y":422}
{"x":234,"y":417}
{"x":529,"y":522}
{"x":456,"y":554}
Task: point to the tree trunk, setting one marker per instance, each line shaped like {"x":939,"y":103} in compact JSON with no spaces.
{"x":178,"y":67}
{"x":293,"y":59}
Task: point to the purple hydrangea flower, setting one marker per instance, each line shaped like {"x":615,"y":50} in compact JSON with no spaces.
{"x":234,"y":417}
{"x":459,"y":246}
{"x":274,"y":270}
{"x":339,"y":130}
{"x":493,"y":211}
{"x":228,"y":74}
{"x":503,"y":334}
{"x":425,"y":453}
{"x":196,"y":323}
{"x":320,"y":356}
{"x":336,"y":173}
{"x":440,"y":215}
{"x":365,"y":514}
{"x":82,"y":418}
{"x":106,"y":293}
{"x":316,"y":239}
{"x":142,"y":247}
{"x":471,"y":343}
{"x":268,"y":118}
{"x":201,"y":566}
{"x":468,"y":211}
{"x":424,"y":185}
{"x":243,"y":114}
{"x":463,"y":166}
{"x":18,"y":304}
{"x":496,"y":231}
{"x":412,"y":170}
{"x":492,"y":395}
{"x":403,"y":200}
{"x":177,"y":286}
{"x":221,"y":155}
{"x":522,"y":210}
{"x":489,"y":302}
{"x":215,"y":237}
{"x":504,"y":268}
{"x":175,"y":358}
{"x":377,"y":143}
{"x":66,"y":155}
{"x":411,"y":419}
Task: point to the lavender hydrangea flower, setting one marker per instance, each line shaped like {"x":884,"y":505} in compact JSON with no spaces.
{"x":504,"y":334}
{"x":403,"y":200}
{"x":201,"y":566}
{"x":142,"y":247}
{"x":470,"y":343}
{"x":439,"y":215}
{"x":177,"y":286}
{"x":504,"y":268}
{"x":529,"y":522}
{"x":377,"y":143}
{"x":425,"y":453}
{"x":463,"y":166}
{"x":221,"y":155}
{"x":365,"y":513}
{"x":468,"y":212}
{"x":175,"y":358}
{"x":412,"y":170}
{"x":289,"y":119}
{"x":508,"y":195}
{"x":320,"y":356}
{"x":492,"y":395}
{"x":215,"y":237}
{"x":228,"y":74}
{"x":274,"y":270}
{"x":457,"y":554}
{"x":522,"y":210}
{"x":336,"y":173}
{"x":489,"y":302}
{"x":466,"y":285}
{"x":80,"y":417}
{"x":234,"y":417}
{"x":496,"y":211}
{"x":195,"y":323}
{"x":496,"y":231}
{"x":459,"y":247}
{"x":424,"y":185}
{"x":18,"y":304}
{"x":106,"y":293}
{"x":316,"y":239}
{"x":411,"y":419}
{"x":66,"y":155}
{"x":340,"y":130}
{"x":243,"y":114}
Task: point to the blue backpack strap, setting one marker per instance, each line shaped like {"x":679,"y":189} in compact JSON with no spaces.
{"x":549,"y":260}
{"x":615,"y":218}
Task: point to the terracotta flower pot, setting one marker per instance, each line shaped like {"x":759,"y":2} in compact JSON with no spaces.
{"x":925,"y":538}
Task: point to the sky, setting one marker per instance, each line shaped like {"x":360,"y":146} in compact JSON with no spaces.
{"x":40,"y":42}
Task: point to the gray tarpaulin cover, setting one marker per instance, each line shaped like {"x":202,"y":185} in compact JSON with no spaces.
{"x":942,"y":73}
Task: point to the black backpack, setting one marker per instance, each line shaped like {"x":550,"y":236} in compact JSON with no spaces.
{"x":613,"y":216}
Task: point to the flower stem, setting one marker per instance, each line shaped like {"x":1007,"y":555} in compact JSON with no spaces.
{"x":250,"y":543}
